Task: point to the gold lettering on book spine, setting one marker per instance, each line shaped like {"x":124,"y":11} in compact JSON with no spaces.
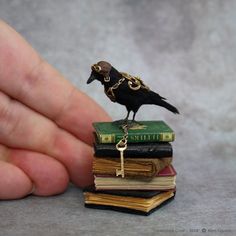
{"x":144,"y":137}
{"x":107,"y":138}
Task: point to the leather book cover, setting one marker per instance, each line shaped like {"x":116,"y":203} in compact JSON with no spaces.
{"x":127,"y":193}
{"x":133,"y":167}
{"x":115,"y":206}
{"x":164,"y":180}
{"x":143,"y":131}
{"x":166,"y":172}
{"x":153,"y":150}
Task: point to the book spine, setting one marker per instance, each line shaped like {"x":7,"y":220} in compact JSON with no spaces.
{"x":167,"y":137}
{"x":142,"y":138}
{"x":107,"y":138}
{"x":154,"y":150}
{"x":137,"y":138}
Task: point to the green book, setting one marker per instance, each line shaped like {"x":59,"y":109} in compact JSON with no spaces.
{"x":143,"y":131}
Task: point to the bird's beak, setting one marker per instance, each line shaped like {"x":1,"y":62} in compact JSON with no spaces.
{"x":91,"y":79}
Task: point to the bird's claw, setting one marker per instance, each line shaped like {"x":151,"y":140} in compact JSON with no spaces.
{"x":133,"y":123}
{"x":120,"y":122}
{"x":130,"y":123}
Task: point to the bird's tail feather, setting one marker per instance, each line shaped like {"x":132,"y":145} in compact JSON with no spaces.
{"x":168,"y":106}
{"x":158,"y":100}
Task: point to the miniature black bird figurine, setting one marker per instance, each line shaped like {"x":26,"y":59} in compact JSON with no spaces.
{"x":125,"y":89}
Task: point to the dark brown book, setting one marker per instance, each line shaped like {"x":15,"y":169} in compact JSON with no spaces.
{"x":133,"y":167}
{"x":129,"y":204}
{"x":126,"y":193}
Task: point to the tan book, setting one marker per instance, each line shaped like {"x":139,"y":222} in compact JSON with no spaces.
{"x":124,"y":203}
{"x":164,"y":180}
{"x":133,"y":167}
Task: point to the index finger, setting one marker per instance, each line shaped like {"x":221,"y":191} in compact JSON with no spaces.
{"x":25,"y":76}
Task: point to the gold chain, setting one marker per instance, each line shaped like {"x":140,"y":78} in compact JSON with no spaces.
{"x":134,"y":83}
{"x":110,"y":92}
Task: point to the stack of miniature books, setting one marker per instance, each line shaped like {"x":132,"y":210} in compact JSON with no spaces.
{"x":149,"y":178}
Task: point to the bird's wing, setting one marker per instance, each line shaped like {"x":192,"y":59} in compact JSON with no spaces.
{"x":135,"y":83}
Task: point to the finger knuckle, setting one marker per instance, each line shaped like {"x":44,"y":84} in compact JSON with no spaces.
{"x":31,"y":80}
{"x":8,"y":118}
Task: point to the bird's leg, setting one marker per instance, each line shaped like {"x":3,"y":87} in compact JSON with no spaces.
{"x":134,"y":122}
{"x":127,"y":117}
{"x":123,"y":121}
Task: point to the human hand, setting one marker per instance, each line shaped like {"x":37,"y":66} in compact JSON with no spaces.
{"x":45,"y":124}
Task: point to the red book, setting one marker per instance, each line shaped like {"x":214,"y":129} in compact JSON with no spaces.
{"x":164,"y":180}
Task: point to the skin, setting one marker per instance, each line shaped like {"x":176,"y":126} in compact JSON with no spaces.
{"x":45,"y":124}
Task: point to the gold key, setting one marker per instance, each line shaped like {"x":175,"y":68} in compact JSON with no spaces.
{"x":121,"y":147}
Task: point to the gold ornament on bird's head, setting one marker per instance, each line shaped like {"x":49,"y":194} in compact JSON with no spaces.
{"x":96,"y":68}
